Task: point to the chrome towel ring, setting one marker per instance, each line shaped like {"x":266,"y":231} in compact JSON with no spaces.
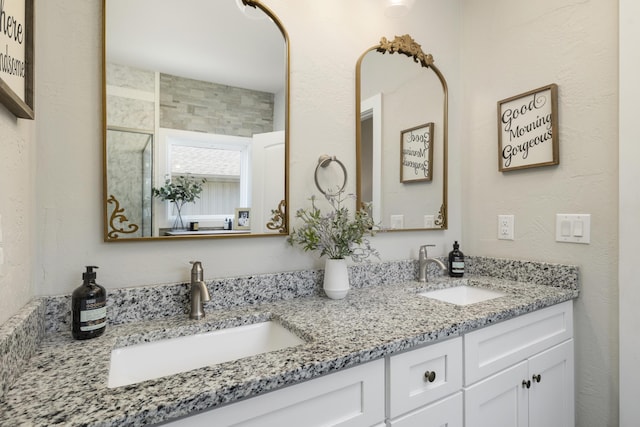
{"x":324,"y":161}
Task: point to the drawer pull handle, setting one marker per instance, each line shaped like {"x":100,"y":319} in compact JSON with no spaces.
{"x":537,"y":378}
{"x":526,"y":384}
{"x":430,"y":376}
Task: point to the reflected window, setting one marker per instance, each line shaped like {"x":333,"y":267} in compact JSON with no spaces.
{"x":223,"y":164}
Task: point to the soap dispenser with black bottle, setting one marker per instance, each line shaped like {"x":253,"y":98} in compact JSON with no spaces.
{"x":456,"y":261}
{"x":89,"y":307}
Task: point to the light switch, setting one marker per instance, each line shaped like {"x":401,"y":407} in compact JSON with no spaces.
{"x":577,"y":228}
{"x":573,"y":228}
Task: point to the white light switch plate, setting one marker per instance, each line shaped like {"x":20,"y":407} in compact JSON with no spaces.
{"x":573,"y":228}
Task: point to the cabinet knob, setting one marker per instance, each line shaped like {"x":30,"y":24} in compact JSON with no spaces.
{"x":526,"y":384}
{"x":537,"y":378}
{"x":430,"y":376}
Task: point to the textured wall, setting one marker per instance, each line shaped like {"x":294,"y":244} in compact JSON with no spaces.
{"x":510,"y":47}
{"x":17,"y":204}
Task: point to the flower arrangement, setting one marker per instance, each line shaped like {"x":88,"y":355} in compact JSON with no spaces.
{"x":179,"y":190}
{"x":335,"y":234}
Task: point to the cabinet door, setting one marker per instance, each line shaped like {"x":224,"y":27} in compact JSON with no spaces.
{"x":419,"y":377}
{"x":350,"y":398}
{"x":443,"y":413}
{"x":498,"y":401}
{"x":551,"y":395}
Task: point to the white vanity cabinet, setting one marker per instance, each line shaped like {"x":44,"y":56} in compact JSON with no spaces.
{"x":520,"y":372}
{"x":514,"y":373}
{"x":352,"y":397}
{"x":418,"y":379}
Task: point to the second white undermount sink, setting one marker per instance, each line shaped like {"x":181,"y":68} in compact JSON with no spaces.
{"x":141,"y":362}
{"x":463,"y":295}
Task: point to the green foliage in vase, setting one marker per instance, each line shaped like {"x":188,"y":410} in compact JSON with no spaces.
{"x":335,"y":234}
{"x":179,"y":190}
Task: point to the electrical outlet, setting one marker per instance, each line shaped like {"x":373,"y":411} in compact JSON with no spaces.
{"x":506,"y":225}
{"x":429,"y":221}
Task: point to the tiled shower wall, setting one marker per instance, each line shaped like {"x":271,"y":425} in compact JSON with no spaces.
{"x":200,"y":106}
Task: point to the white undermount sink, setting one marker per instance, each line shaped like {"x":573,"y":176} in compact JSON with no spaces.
{"x":463,"y":295}
{"x":140,"y":362}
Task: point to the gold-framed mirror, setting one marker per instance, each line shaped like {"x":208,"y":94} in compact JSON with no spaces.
{"x":196,"y":98}
{"x":402,"y":136}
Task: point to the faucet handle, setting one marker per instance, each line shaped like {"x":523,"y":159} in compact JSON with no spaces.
{"x":423,"y":250}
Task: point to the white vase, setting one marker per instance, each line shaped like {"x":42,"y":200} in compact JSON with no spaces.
{"x":336,"y":278}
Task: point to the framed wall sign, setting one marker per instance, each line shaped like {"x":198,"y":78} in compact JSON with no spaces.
{"x":528,"y":130}
{"x":16,"y":57}
{"x":416,"y":153}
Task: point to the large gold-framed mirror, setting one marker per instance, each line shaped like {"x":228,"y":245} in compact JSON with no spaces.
{"x":402,"y":136}
{"x":196,"y":95}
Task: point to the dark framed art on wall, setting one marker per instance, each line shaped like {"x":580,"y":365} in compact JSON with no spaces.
{"x":528,"y":129}
{"x":416,"y":154}
{"x":16,"y":57}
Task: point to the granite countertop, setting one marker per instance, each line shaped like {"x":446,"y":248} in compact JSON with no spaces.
{"x":65,"y":382}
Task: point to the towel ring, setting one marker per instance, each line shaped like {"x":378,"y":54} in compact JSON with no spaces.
{"x":324,"y":161}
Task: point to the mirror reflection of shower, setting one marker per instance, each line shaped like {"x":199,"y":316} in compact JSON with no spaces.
{"x":130,"y":154}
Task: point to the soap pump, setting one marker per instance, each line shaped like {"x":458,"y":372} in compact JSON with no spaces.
{"x":89,"y":307}
{"x":456,"y":261}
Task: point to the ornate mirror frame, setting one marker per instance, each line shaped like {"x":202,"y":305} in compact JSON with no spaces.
{"x":116,"y":225}
{"x":405,"y":45}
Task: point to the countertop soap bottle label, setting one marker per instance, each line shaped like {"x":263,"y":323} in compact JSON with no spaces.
{"x":93,"y":314}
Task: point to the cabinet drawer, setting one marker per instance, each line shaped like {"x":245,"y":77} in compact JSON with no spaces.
{"x":353,"y":397}
{"x":496,"y":347}
{"x":421,"y":376}
{"x":445,"y":412}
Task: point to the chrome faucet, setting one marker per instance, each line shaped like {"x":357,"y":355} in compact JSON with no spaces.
{"x":425,"y":261}
{"x":199,"y":291}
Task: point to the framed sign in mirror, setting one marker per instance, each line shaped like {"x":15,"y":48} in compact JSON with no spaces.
{"x":16,"y":57}
{"x":416,"y":154}
{"x":528,"y":130}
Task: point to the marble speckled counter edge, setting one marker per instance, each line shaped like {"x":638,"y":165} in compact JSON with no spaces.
{"x":17,"y":337}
